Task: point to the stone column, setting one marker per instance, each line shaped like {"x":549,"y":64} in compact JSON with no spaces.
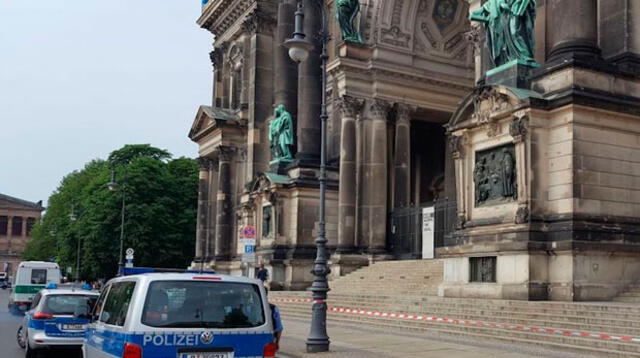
{"x":375,"y":175}
{"x":349,"y":108}
{"x":224,"y":214}
{"x":309,"y":91}
{"x":9,"y":232}
{"x":203,"y":208}
{"x":286,"y":71}
{"x":572,"y":29}
{"x":402,"y":158}
{"x":211,"y":202}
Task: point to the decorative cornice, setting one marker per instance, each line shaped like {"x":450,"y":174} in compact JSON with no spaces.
{"x":218,"y":18}
{"x":350,"y":106}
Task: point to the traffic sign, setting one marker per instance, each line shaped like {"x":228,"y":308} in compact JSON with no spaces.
{"x":249,"y":249}
{"x":251,"y":242}
{"x":249,"y":232}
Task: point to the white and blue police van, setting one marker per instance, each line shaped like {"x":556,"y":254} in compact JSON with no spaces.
{"x":181,"y":315}
{"x":57,"y":319}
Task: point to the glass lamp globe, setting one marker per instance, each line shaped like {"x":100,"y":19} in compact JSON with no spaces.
{"x":299,"y":49}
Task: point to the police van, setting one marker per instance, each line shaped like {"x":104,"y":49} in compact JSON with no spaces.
{"x":58,"y":319}
{"x":31,"y":277}
{"x":182,"y":315}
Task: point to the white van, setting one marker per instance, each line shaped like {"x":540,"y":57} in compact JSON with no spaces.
{"x":31,"y":277}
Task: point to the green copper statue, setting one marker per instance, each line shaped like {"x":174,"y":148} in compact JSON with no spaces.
{"x":510,"y":29}
{"x":346,"y":12}
{"x":281,"y":135}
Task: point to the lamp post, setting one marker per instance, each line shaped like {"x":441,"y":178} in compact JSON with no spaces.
{"x":73,"y":218}
{"x":299,"y":49}
{"x":113,"y":186}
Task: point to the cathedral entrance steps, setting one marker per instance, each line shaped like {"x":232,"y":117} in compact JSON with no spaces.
{"x":420,"y":277}
{"x":631,"y":295}
{"x":600,"y":335}
{"x":567,"y":320}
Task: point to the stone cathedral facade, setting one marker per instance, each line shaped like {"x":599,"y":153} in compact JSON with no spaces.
{"x":533,"y":175}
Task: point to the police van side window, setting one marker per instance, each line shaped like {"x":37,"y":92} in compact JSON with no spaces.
{"x":97,"y":309}
{"x":116,"y":305}
{"x":38,"y":277}
{"x":36,"y":299}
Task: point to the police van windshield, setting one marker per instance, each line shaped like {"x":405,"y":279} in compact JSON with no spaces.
{"x":67,"y":304}
{"x":196,"y":304}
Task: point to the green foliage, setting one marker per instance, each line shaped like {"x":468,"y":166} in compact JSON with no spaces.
{"x":160,"y":213}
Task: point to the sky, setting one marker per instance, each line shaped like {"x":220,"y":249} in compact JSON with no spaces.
{"x":79,"y":79}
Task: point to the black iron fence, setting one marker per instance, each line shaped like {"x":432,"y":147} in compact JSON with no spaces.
{"x":406,"y":226}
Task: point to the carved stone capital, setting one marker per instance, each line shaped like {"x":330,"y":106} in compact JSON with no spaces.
{"x":349,"y":106}
{"x":204,"y":163}
{"x":258,"y":22}
{"x":404,"y":112}
{"x":225,"y":153}
{"x":377,"y":109}
{"x":216,"y":57}
{"x":475,"y":36}
{"x":518,"y":128}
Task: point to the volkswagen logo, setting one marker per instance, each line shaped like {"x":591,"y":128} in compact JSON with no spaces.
{"x":206,"y":337}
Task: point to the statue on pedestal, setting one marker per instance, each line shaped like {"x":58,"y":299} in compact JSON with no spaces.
{"x":281,"y":135}
{"x":510,"y":30}
{"x":346,"y":12}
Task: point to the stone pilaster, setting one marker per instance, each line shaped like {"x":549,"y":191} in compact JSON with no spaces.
{"x":375,"y":178}
{"x":203,"y":208}
{"x":224,"y":214}
{"x":572,"y":29}
{"x":9,"y":232}
{"x":309,"y":91}
{"x":349,"y":109}
{"x":212,"y":204}
{"x":402,"y":158}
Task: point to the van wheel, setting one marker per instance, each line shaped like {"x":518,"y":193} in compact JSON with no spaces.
{"x":20,"y":337}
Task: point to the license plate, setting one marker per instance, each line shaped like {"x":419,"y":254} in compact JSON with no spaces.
{"x":206,"y":355}
{"x":73,"y":327}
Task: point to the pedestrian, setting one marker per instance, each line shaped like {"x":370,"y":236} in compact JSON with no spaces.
{"x":263,"y":274}
{"x":277,"y":324}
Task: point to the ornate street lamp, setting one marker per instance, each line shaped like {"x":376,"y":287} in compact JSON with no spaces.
{"x":299,"y":49}
{"x":114,"y":186}
{"x":73,"y":218}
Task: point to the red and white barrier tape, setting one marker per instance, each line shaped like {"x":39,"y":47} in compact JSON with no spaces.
{"x":514,"y":327}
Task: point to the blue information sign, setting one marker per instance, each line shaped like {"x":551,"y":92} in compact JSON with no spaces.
{"x":249,"y":249}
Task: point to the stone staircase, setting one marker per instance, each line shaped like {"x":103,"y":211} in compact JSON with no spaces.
{"x":401,"y":295}
{"x":418,"y":277}
{"x":630,"y":295}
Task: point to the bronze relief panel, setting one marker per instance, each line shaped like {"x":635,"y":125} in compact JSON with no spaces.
{"x":494,"y":176}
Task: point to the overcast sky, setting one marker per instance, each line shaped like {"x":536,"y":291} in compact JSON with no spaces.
{"x":80,"y":78}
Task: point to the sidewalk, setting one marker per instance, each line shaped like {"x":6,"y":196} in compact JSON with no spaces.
{"x":362,"y":342}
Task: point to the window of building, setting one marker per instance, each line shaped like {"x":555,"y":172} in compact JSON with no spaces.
{"x":483,"y":269}
{"x":30,"y":223}
{"x":4,"y":225}
{"x":16,"y":226}
{"x":117,"y":304}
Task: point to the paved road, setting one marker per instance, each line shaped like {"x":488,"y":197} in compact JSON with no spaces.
{"x":9,"y":325}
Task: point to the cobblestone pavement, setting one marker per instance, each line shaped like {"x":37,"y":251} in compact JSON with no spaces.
{"x":350,"y":341}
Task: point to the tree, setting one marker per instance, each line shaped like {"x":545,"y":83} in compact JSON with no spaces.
{"x":160,"y":213}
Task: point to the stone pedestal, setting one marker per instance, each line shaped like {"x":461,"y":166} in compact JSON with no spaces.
{"x":344,"y":264}
{"x":513,"y":74}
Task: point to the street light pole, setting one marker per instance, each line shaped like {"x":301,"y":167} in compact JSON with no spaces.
{"x":299,"y":48}
{"x":113,"y":186}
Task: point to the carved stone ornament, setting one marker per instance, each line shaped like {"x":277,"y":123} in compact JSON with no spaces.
{"x":493,"y":129}
{"x":488,"y":102}
{"x":456,"y":145}
{"x":518,"y":128}
{"x":258,"y":22}
{"x":522,"y":215}
{"x":495,"y":176}
{"x":349,"y":106}
{"x":461,"y":220}
{"x":474,"y":36}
